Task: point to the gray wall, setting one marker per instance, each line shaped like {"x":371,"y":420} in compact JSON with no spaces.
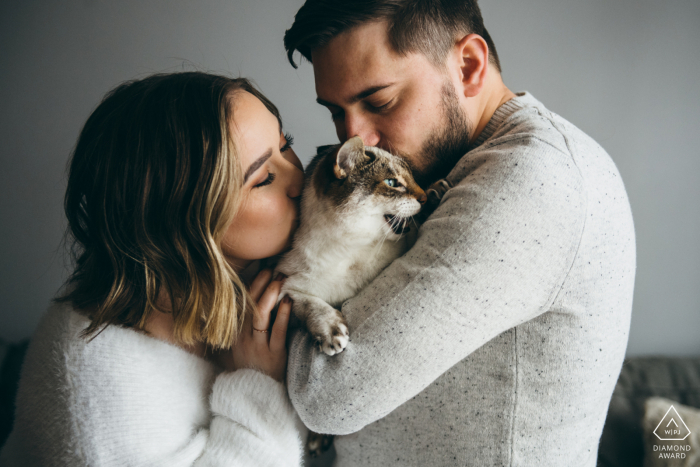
{"x":623,"y":71}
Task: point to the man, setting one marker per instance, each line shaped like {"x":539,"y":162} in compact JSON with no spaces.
{"x":498,"y":338}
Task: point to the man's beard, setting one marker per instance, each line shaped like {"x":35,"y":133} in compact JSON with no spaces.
{"x":446,"y":145}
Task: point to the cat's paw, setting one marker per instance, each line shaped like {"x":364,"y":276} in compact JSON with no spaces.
{"x":332,"y":335}
{"x":436,"y":191}
{"x":434,"y":194}
{"x":337,"y":342}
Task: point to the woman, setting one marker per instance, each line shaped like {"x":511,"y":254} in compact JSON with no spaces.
{"x":157,"y":353}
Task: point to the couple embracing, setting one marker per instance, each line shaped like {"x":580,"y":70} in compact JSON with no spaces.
{"x":496,"y":339}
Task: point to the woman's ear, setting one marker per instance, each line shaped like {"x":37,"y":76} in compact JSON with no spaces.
{"x":472,"y":55}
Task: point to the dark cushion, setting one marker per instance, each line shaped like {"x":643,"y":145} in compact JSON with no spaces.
{"x":678,"y":379}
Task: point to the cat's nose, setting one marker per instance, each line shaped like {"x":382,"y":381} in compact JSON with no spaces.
{"x":422,"y":198}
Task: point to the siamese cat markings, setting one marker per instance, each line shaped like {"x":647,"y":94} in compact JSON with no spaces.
{"x":356,"y":205}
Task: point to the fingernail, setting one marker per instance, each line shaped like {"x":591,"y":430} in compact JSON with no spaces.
{"x":280,"y":276}
{"x":286,"y":299}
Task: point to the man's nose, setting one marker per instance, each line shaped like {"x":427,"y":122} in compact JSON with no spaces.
{"x":359,"y":126}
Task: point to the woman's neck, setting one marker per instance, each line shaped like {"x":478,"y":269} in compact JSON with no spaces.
{"x":162,"y":326}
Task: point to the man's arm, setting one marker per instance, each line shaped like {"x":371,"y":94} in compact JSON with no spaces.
{"x":492,"y":256}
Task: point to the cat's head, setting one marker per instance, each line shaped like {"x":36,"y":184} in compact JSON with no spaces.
{"x":373,"y":185}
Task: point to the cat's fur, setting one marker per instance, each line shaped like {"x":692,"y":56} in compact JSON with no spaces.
{"x":351,"y":227}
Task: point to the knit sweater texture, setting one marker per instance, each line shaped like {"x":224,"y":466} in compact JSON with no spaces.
{"x":127,"y":399}
{"x":498,"y":338}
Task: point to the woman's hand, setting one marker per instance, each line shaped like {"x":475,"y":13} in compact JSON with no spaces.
{"x":260,"y":345}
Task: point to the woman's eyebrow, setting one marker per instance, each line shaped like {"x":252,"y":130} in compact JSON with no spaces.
{"x":256,"y":165}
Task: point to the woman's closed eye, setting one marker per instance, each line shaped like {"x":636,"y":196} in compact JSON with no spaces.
{"x":269,"y":179}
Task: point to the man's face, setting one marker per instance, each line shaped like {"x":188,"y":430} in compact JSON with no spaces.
{"x":403,"y":104}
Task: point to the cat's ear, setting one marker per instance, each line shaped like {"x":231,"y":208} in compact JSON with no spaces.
{"x":351,"y":153}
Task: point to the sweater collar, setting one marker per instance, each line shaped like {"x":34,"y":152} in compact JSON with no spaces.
{"x":519,"y":102}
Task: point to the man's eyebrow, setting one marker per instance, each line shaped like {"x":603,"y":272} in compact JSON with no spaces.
{"x":357,"y":97}
{"x":256,"y":165}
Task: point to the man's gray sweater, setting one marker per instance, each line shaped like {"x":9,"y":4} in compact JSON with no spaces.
{"x":498,"y":338}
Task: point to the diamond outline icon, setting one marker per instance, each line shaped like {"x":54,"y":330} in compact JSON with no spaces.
{"x":672,"y":418}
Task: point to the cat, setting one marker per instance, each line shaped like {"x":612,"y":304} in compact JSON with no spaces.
{"x":356,"y":206}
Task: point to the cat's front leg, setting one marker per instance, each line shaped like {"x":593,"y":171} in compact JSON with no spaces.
{"x":325,"y":324}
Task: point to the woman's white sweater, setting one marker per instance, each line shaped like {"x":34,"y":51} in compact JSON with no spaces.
{"x":125,"y":398}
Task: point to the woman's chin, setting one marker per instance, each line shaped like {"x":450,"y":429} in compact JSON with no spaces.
{"x":288,"y":245}
{"x":285,"y":248}
{"x":290,"y":239}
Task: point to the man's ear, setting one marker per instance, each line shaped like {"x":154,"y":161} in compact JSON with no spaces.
{"x":472,"y":53}
{"x":351,"y":153}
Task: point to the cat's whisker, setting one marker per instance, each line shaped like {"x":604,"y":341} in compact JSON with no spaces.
{"x":379,"y":245}
{"x":396,"y":221}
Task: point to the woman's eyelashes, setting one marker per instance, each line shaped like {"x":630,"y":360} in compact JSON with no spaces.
{"x":289,"y":142}
{"x":270,"y":178}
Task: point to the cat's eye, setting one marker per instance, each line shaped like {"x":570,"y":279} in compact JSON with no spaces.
{"x":391,"y":182}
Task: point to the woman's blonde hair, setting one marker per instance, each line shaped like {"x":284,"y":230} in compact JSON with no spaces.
{"x":154,"y":182}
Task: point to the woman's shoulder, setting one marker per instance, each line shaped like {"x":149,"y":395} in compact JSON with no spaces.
{"x":120,"y":383}
{"x":59,"y":337}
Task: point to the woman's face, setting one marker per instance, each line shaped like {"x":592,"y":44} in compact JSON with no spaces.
{"x":274,"y":176}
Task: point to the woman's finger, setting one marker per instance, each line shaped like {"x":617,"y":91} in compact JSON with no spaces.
{"x":259,"y":283}
{"x":278,"y":335}
{"x":261,"y":317}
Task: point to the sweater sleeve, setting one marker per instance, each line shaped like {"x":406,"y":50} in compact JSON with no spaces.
{"x":493,"y":255}
{"x":253,"y":423}
{"x":125,"y":398}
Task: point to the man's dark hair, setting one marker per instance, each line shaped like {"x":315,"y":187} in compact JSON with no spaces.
{"x":430,"y":27}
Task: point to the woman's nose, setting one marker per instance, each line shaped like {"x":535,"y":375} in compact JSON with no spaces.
{"x":291,"y":156}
